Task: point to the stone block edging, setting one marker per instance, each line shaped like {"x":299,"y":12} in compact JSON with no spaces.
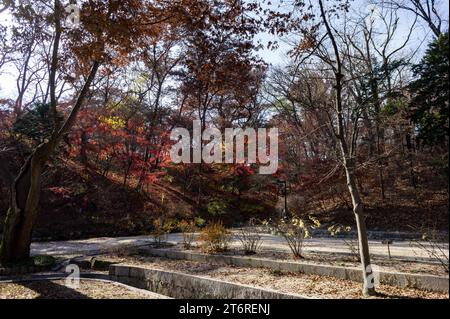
{"x":402,"y":280}
{"x":22,"y":270}
{"x":184,"y":286}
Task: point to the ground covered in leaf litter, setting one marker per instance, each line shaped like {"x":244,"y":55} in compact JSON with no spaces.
{"x":339,"y":259}
{"x":307,"y":285}
{"x":57,"y":289}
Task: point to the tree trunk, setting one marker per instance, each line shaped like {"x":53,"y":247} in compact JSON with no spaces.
{"x":25,"y":190}
{"x":368,"y":288}
{"x":143,"y":170}
{"x":83,"y":149}
{"x":349,"y":165}
{"x":25,"y":193}
{"x":381,"y":181}
{"x":409,"y":147}
{"x":127,"y":172}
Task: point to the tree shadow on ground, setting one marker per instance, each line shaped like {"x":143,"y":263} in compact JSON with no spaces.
{"x":52,"y":290}
{"x":391,"y":296}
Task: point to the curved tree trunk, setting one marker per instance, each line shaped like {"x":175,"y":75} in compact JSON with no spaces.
{"x":25,"y":193}
{"x":25,"y":190}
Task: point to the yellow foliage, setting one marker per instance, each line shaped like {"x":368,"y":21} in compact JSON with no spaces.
{"x":114,"y":122}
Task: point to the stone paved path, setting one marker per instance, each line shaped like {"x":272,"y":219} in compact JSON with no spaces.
{"x":401,"y":249}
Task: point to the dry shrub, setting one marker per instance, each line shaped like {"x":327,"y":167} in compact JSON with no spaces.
{"x":434,"y":244}
{"x":161,"y":228}
{"x":350,"y":240}
{"x":188,"y":228}
{"x":294,"y":230}
{"x":215,"y":238}
{"x":250,"y":238}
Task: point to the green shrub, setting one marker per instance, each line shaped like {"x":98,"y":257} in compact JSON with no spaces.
{"x":36,"y":123}
{"x":44,"y":261}
{"x":200,"y":222}
{"x":217,"y":208}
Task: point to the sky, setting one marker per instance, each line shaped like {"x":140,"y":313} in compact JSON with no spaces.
{"x":358,"y":7}
{"x":279,"y":57}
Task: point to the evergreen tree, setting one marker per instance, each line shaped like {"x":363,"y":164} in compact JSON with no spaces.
{"x":430,"y":94}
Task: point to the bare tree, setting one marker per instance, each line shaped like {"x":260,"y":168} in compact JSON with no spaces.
{"x":347,"y":146}
{"x":370,"y":46}
{"x":4,"y":7}
{"x":427,"y":10}
{"x":5,"y":48}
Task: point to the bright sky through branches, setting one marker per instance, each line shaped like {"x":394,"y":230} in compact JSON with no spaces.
{"x":420,"y":38}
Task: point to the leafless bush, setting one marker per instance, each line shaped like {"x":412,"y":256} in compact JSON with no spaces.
{"x":250,"y":238}
{"x":161,"y":229}
{"x":295,"y":231}
{"x":351,"y":241}
{"x":188,"y":228}
{"x":434,"y":245}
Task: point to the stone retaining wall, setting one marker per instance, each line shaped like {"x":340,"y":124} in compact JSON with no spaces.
{"x":21,"y":270}
{"x":184,"y":286}
{"x":403,"y":280}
